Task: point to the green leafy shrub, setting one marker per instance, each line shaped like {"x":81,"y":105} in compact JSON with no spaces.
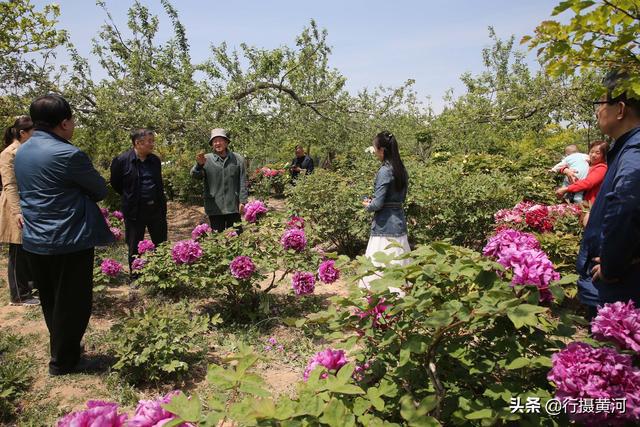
{"x":332,"y":204}
{"x":159,"y":342}
{"x":15,"y":378}
{"x":444,"y":202}
{"x":210,"y":275}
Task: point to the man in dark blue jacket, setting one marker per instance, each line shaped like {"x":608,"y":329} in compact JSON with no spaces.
{"x":59,"y":188}
{"x":609,"y":259}
{"x":136,"y":175}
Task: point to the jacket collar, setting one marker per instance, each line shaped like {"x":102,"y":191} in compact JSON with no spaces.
{"x":59,"y":138}
{"x":620,"y":142}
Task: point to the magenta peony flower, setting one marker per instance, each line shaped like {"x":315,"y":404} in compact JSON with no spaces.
{"x":118,"y":215}
{"x":105,"y":213}
{"x":186,"y":252}
{"x":520,"y":252}
{"x":327,"y":272}
{"x":111,"y":267}
{"x":231,"y":234}
{"x":380,"y":319}
{"x":199,"y":230}
{"x":303,"y":283}
{"x":150,"y":413}
{"x":295,"y":239}
{"x":242,"y":267}
{"x":138,"y":264}
{"x":331,"y":359}
{"x":510,"y":238}
{"x":98,"y":414}
{"x":117,"y":233}
{"x":253,"y":210}
{"x":296,"y":222}
{"x":581,"y":371}
{"x":145,"y":246}
{"x":619,"y":323}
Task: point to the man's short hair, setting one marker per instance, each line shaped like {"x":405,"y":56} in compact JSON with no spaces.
{"x":139,"y":133}
{"x":611,"y":82}
{"x":299,"y":147}
{"x":48,"y":111}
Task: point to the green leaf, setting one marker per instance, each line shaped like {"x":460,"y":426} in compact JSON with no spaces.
{"x":186,"y":408}
{"x":525,"y":314}
{"x":479,"y":415}
{"x":335,"y":414}
{"x":518,"y":362}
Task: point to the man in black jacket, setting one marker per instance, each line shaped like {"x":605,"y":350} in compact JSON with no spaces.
{"x":301,"y":162}
{"x":136,"y":175}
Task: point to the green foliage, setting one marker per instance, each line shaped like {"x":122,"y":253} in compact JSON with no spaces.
{"x":332,"y":204}
{"x":28,"y":37}
{"x":15,"y":377}
{"x":600,"y":35}
{"x":444,"y":202}
{"x":159,"y":342}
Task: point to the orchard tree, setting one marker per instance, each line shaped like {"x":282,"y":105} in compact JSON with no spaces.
{"x":28,"y":39}
{"x":601,"y":35}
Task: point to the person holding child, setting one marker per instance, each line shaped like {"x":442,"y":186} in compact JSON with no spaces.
{"x":590,"y":185}
{"x":579,"y":164}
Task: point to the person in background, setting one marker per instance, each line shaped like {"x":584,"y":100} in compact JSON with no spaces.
{"x":389,"y":224}
{"x":59,"y":189}
{"x":576,"y":162}
{"x":301,"y":163}
{"x":590,"y":184}
{"x":136,"y":175}
{"x":608,"y":262}
{"x":225,"y":182}
{"x":19,"y":276}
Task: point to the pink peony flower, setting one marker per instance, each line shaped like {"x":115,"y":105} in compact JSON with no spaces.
{"x":231,"y":234}
{"x":509,"y":238}
{"x":138,"y":264}
{"x":619,"y":323}
{"x":117,"y":233}
{"x":295,"y":239}
{"x":105,"y":213}
{"x":199,"y":230}
{"x":98,"y":414}
{"x":380,"y":319}
{"x":581,"y":371}
{"x":303,"y":283}
{"x":145,"y":246}
{"x":253,"y":210}
{"x":296,"y":222}
{"x":111,"y":267}
{"x":327,"y":272}
{"x":150,"y":413}
{"x":520,"y":252}
{"x":118,"y":215}
{"x":330,"y":359}
{"x":186,"y":252}
{"x":242,"y":267}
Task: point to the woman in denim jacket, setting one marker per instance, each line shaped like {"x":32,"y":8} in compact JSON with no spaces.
{"x":389,"y":223}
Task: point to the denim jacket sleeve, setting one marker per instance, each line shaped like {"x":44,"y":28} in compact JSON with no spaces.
{"x":620,"y":228}
{"x":86,"y":177}
{"x":384,"y":177}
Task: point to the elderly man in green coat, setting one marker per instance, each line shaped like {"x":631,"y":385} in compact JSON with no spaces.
{"x":225,"y":182}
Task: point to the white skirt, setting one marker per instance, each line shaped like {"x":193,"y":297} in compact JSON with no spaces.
{"x":379,"y":244}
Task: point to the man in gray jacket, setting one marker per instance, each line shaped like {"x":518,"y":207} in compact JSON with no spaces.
{"x":59,"y":188}
{"x":225,"y":182}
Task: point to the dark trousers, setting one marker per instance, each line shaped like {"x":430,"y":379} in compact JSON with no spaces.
{"x":220,"y":223}
{"x":150,"y":217}
{"x":65,"y":285}
{"x":19,"y":274}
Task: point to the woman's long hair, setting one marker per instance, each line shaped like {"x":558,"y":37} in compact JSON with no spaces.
{"x":387,"y":142}
{"x":13,"y":132}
